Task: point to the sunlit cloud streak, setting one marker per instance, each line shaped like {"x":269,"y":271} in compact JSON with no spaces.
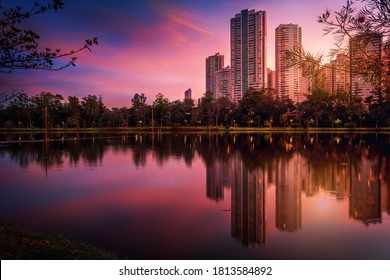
{"x":151,"y":46}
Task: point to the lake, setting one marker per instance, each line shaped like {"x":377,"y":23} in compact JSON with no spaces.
{"x":205,"y":196}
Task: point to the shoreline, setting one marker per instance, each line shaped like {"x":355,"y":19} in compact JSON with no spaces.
{"x":104,"y":132}
{"x":192,"y":129}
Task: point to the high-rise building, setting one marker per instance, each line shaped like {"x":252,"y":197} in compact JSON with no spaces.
{"x":223,"y":83}
{"x":288,"y":79}
{"x":248,"y":31}
{"x":341,"y":73}
{"x":386,"y":65}
{"x":188,"y":94}
{"x":213,"y":64}
{"x":326,"y":77}
{"x":365,"y":57}
{"x":271,"y":78}
{"x":335,"y":76}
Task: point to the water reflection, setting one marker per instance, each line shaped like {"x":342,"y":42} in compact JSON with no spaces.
{"x":246,"y":168}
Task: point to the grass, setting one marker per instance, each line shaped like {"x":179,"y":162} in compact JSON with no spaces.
{"x":18,"y":243}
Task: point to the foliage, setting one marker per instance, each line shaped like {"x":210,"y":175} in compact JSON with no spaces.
{"x":138,"y":109}
{"x":53,"y":103}
{"x":224,"y":111}
{"x":207,"y":108}
{"x":92,"y":110}
{"x":372,"y":17}
{"x":160,"y":107}
{"x":309,"y":63}
{"x":355,"y":26}
{"x":19,"y":48}
{"x":256,"y":109}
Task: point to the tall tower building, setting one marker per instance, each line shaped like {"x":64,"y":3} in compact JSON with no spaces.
{"x":341,"y":74}
{"x":288,"y":80}
{"x":334,"y":76}
{"x":326,"y":77}
{"x":248,"y":51}
{"x":365,"y":51}
{"x":213,"y":64}
{"x":271,"y":83}
{"x":188,"y":94}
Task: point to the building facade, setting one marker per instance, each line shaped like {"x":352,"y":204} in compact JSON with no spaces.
{"x":288,"y":79}
{"x":271,"y":78}
{"x":365,"y":52}
{"x":223,"y":83}
{"x":248,"y":31}
{"x":341,"y":74}
{"x":188,"y":94}
{"x":213,"y":64}
{"x":335,"y":76}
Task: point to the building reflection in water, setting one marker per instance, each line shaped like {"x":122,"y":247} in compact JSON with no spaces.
{"x":217,"y":178}
{"x":365,"y":200}
{"x":248,"y":205}
{"x":288,"y":194}
{"x":350,"y":168}
{"x":247,"y":197}
{"x":355,"y":176}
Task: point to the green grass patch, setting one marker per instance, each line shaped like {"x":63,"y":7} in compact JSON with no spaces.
{"x":22,"y":244}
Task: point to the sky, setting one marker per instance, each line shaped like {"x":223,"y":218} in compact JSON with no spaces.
{"x":151,"y":46}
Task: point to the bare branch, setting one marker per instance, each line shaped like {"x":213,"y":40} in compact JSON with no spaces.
{"x":19,"y":48}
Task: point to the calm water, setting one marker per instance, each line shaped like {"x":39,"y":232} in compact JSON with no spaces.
{"x":206,"y":196}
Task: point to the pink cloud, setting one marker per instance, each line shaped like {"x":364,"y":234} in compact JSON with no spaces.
{"x":184,"y":19}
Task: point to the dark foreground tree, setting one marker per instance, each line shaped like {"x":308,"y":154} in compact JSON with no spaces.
{"x":19,"y":47}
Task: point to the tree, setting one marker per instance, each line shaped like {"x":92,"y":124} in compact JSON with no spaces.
{"x":50,"y":103}
{"x":188,"y":105}
{"x":225,"y":108}
{"x":176,"y":113}
{"x":73,"y":112}
{"x":255,"y":108}
{"x":19,"y":48}
{"x":207,"y":108}
{"x":139,"y":108}
{"x":160,"y":108}
{"x":23,"y":109}
{"x":359,"y":22}
{"x":317,"y":109}
{"x":92,"y":110}
{"x":372,"y":17}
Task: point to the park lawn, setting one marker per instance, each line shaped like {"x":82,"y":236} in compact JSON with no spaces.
{"x":22,"y":244}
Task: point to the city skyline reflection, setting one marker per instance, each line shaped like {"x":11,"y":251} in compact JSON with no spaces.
{"x":262,"y":187}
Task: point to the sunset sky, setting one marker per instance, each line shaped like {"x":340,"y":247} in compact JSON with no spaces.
{"x":151,"y":46}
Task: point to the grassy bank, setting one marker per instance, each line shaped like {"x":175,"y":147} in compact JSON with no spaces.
{"x":21,"y":244}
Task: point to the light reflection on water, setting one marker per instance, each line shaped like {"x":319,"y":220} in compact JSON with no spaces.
{"x":207,"y":196}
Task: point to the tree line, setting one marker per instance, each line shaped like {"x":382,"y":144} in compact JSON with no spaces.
{"x":258,"y":108}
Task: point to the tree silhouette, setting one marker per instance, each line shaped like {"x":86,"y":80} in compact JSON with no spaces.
{"x":19,"y":47}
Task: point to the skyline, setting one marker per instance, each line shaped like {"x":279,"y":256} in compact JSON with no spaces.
{"x":151,"y":47}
